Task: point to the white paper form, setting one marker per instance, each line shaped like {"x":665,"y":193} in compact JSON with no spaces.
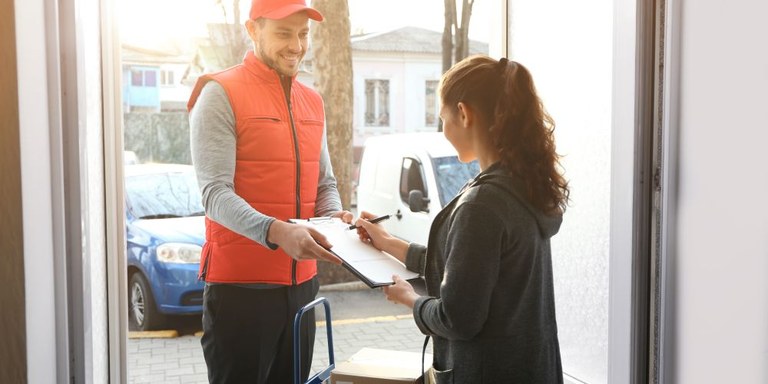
{"x":373,"y":267}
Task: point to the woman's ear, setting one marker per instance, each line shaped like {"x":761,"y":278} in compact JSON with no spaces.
{"x":466,"y":114}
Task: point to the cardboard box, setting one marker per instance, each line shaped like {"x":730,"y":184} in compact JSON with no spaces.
{"x":381,"y":366}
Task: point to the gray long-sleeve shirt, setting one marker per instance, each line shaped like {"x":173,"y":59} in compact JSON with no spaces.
{"x":213,"y":142}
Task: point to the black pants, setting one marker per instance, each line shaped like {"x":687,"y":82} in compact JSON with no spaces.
{"x":248,"y":333}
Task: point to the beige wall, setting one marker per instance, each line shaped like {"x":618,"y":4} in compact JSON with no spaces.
{"x":719,"y":258}
{"x":13,"y":362}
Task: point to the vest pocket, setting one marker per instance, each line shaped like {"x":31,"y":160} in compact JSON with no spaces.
{"x":264,"y":138}
{"x":260,"y":124}
{"x":262,"y":118}
{"x":311,"y":122}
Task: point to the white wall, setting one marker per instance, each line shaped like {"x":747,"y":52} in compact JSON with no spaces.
{"x":178,"y":91}
{"x":719,"y":279}
{"x":36,"y":191}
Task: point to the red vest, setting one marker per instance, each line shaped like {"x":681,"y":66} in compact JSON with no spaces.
{"x":276,"y":172}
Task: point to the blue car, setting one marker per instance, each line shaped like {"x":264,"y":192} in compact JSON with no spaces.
{"x":165,"y":231}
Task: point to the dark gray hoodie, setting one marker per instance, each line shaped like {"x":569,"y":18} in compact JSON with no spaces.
{"x":488,"y":270}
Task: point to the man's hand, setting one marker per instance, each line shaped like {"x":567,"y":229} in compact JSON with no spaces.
{"x":301,"y":242}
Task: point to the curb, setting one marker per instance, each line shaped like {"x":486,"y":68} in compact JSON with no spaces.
{"x":163,"y":334}
{"x":364,"y":320}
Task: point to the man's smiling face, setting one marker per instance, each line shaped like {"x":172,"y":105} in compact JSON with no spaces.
{"x":281,"y":44}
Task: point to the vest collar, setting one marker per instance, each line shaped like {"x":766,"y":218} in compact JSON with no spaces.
{"x":254,"y":65}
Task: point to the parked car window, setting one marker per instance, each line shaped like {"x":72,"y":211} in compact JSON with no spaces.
{"x":163,"y":195}
{"x":451,"y":175}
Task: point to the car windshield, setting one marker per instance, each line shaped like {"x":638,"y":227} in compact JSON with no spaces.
{"x":163,"y":195}
{"x":452,"y":175}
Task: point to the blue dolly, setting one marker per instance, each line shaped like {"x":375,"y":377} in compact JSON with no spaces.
{"x":319,"y":377}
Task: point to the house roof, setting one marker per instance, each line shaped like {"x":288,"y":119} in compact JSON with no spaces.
{"x":408,"y":39}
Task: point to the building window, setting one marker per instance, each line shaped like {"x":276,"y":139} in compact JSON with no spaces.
{"x":377,"y":103}
{"x":150,"y":78}
{"x":143,"y":77}
{"x":431,"y":107}
{"x":137,"y":78}
{"x":166,"y":77}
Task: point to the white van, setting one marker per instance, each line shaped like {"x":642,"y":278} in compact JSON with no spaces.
{"x":410,"y":176}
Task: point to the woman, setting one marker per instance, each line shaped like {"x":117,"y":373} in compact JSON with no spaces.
{"x":490,"y":304}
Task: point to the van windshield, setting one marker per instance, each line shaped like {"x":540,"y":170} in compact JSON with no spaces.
{"x":451,"y":175}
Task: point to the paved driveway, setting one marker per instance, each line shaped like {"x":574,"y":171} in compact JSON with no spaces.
{"x":361,"y":317}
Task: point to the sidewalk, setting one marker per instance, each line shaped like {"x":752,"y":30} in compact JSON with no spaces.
{"x":360,"y":317}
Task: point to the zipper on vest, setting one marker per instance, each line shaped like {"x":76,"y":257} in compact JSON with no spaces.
{"x":298,"y":160}
{"x":204,"y":272}
{"x":298,"y":168}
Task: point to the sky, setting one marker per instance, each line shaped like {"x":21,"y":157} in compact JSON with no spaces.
{"x":146,"y":21}
{"x":381,"y":15}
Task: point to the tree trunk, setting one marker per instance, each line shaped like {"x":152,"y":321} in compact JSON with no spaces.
{"x":332,"y":70}
{"x":462,"y":32}
{"x":450,"y":21}
{"x":455,"y":35}
{"x":238,"y":41}
{"x":332,"y":66}
{"x":228,"y":41}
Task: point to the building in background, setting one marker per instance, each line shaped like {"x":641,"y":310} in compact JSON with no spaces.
{"x":396,"y":74}
{"x":152,"y":79}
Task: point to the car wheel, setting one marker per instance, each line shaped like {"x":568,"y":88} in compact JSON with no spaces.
{"x":142,"y":311}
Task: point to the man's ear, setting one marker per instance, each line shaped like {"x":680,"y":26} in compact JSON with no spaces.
{"x":466,"y":114}
{"x":252,"y":27}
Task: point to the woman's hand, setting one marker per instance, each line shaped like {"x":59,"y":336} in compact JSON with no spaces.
{"x":401,"y":292}
{"x":374,"y":234}
{"x":377,"y":236}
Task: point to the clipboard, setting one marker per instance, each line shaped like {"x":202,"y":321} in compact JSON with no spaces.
{"x":372,"y":266}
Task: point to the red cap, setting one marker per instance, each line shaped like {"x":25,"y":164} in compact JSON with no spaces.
{"x":279,"y":9}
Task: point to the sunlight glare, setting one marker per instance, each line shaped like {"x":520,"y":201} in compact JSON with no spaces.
{"x":146,"y":21}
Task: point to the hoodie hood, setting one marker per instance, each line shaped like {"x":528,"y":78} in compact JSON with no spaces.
{"x":495,"y":175}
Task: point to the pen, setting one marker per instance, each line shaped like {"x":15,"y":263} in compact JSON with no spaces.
{"x":372,"y":221}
